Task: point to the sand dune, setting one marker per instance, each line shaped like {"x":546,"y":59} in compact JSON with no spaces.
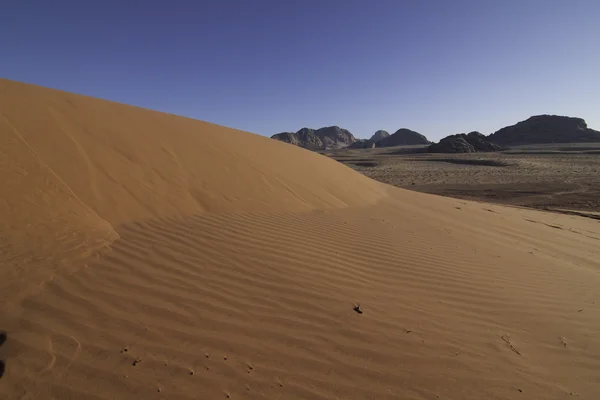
{"x":150,"y":256}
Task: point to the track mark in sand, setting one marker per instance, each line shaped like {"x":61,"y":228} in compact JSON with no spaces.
{"x":548,"y":225}
{"x":506,"y":339}
{"x":75,"y":353}
{"x":52,"y":356}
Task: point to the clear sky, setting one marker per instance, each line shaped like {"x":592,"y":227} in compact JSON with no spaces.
{"x":266,"y":66}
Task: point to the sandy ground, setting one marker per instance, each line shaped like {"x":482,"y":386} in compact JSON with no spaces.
{"x":553,"y":176}
{"x":148,"y":256}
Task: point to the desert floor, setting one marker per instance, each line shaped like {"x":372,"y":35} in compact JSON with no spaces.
{"x":149,"y":256}
{"x":551,"y":176}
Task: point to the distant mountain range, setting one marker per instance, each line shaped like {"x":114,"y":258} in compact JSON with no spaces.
{"x":334,"y":137}
{"x":537,"y":129}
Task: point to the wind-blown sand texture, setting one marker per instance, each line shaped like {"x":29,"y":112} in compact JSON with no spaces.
{"x":150,"y":256}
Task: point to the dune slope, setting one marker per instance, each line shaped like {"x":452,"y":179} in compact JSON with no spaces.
{"x":144,"y":255}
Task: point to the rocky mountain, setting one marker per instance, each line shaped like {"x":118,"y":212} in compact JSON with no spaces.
{"x":545,"y":129}
{"x":331,"y":137}
{"x":403,"y":137}
{"x":379,"y":135}
{"x":463,"y":143}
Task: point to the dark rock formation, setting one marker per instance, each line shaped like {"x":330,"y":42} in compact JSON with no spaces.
{"x":463,"y":143}
{"x":403,"y":137}
{"x":481,"y":143}
{"x":362,"y":144}
{"x":331,"y":137}
{"x":545,"y":129}
{"x":379,"y":135}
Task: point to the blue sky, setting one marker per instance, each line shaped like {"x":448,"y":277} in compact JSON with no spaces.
{"x":266,"y":66}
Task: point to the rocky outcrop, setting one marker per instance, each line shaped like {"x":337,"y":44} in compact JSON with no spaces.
{"x":331,"y":137}
{"x":463,"y":143}
{"x":545,"y":129}
{"x":480,"y":142}
{"x":403,"y":137}
{"x":362,"y":144}
{"x":379,"y":135}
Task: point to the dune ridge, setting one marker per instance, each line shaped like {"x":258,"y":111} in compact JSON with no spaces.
{"x":129,"y":163}
{"x":153,"y":256}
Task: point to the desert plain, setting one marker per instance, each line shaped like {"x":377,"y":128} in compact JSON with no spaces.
{"x":560,"y":177}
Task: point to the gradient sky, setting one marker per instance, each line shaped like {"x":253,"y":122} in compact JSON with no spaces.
{"x":266,"y":66}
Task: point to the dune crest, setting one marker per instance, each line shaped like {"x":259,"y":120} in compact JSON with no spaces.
{"x":128,"y":163}
{"x":145,"y":255}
